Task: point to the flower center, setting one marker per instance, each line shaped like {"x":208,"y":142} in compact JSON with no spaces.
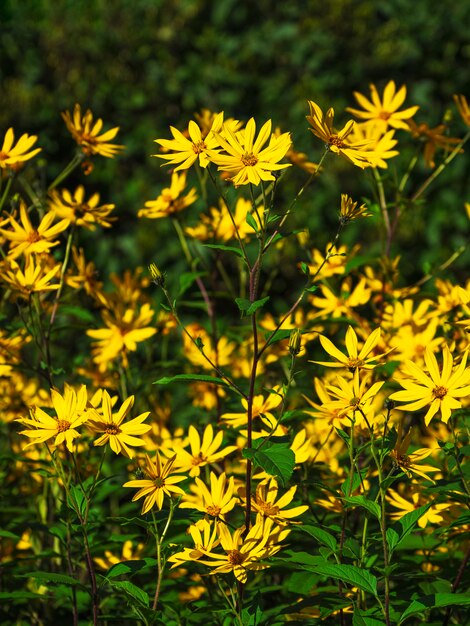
{"x":197,"y":460}
{"x":159,"y":482}
{"x":34,"y":236}
{"x":213,"y":510}
{"x":384,"y":115}
{"x":439,"y":392}
{"x":112,"y":429}
{"x":3,"y":156}
{"x":353,"y":364}
{"x":235,"y":557}
{"x":334,"y":140}
{"x":199,"y":147}
{"x":62,"y":426}
{"x":249,"y":160}
{"x":268,"y":509}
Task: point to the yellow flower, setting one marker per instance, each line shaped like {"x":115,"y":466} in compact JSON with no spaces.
{"x":246,"y":160}
{"x":26,"y":239}
{"x":355,"y":360}
{"x":349,"y":210}
{"x":379,"y":146}
{"x":35,"y":277}
{"x":336,"y":306}
{"x":158,"y":484}
{"x":408,"y":462}
{"x":432,"y":515}
{"x":122,"y":335}
{"x":119,"y":436}
{"x":217,"y":502}
{"x":71,"y":412}
{"x":243,"y":555}
{"x":439,"y":390}
{"x":265,"y":504}
{"x":205,"y":539}
{"x":13,"y":156}
{"x":222,"y":226}
{"x":463,"y":108}
{"x":87,"y":133}
{"x":79,"y":211}
{"x":170,"y":200}
{"x":432,"y":138}
{"x":187,"y":151}
{"x":384,"y":113}
{"x":220,"y":355}
{"x":261,"y":408}
{"x":86,"y":276}
{"x":353,"y":397}
{"x":337,"y":141}
{"x":327,"y":410}
{"x":127,"y":554}
{"x":202,"y":452}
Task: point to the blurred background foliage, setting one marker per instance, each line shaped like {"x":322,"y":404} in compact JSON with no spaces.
{"x":145,"y":64}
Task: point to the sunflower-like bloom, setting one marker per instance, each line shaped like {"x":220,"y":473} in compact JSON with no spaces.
{"x":122,"y":335}
{"x":261,"y":407}
{"x":11,"y":157}
{"x":35,"y":277}
{"x":432,"y":139}
{"x":338,"y":141}
{"x":86,"y":275}
{"x":202,"y":452}
{"x":353,"y":396}
{"x":363,"y":359}
{"x":266,"y":505}
{"x":245,"y":159}
{"x":185,"y":152}
{"x":432,"y":516}
{"x":384,"y":112}
{"x":86,"y":133}
{"x":128,"y":554}
{"x":119,"y":435}
{"x":170,"y":200}
{"x":205,"y":539}
{"x":248,"y":554}
{"x":71,"y":412}
{"x":349,"y":210}
{"x":217,"y":502}
{"x":463,"y":108}
{"x":158,"y":484}
{"x":440,"y":390}
{"x":408,"y":463}
{"x":222,"y":225}
{"x":73,"y":207}
{"x":26,"y":239}
{"x":379,"y":145}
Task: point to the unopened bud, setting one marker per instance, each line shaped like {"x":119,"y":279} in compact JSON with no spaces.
{"x":157,"y":277}
{"x":295,"y":342}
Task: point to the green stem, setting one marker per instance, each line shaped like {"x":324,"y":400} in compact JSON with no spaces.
{"x":6,"y":191}
{"x":77,"y":159}
{"x":159,"y":542}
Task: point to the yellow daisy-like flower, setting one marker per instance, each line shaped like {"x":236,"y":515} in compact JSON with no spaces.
{"x":35,"y":277}
{"x":119,"y":435}
{"x":355,"y":359}
{"x":26,"y":239}
{"x":265,"y":504}
{"x":202,"y":452}
{"x":221,"y":225}
{"x":439,"y":390}
{"x":128,"y":554}
{"x":170,"y":201}
{"x":12,"y":156}
{"x":432,"y":138}
{"x":205,"y":539}
{"x":384,"y":112}
{"x":73,"y":207}
{"x":337,"y":141}
{"x":185,"y":152}
{"x":353,"y":397}
{"x":380,"y":145}
{"x":86,"y":133}
{"x":217,"y":502}
{"x":71,"y":412}
{"x":158,"y":484}
{"x":408,"y":463}
{"x":432,"y":515}
{"x":463,"y":108}
{"x":349,"y":210}
{"x":246,"y":161}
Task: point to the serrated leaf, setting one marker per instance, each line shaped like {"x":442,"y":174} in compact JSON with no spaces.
{"x":403,"y":527}
{"x":437,"y":600}
{"x":372,"y":507}
{"x":349,"y":574}
{"x":50,"y":577}
{"x":129,"y":589}
{"x":218,"y":246}
{"x":321,"y":535}
{"x":361,"y":619}
{"x":247,"y":307}
{"x":277,"y":459}
{"x":166,"y":380}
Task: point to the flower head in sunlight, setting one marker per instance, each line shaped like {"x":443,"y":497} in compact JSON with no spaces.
{"x":28,"y":239}
{"x":86,"y":133}
{"x":432,"y":516}
{"x":128,"y":553}
{"x":171,"y":200}
{"x":205,"y":539}
{"x":34,"y":277}
{"x":384,"y":112}
{"x":349,"y":210}
{"x":13,"y":156}
{"x":380,"y":146}
{"x":409,"y":463}
{"x":86,"y":213}
{"x":119,"y":434}
{"x":223,"y":225}
{"x":71,"y":412}
{"x":266,"y":503}
{"x":337,"y":142}
{"x":440,"y":390}
{"x":245,"y":159}
{"x":185,"y":151}
{"x":203,"y":452}
{"x":365,"y":358}
{"x":159,"y":482}
{"x":216,"y":502}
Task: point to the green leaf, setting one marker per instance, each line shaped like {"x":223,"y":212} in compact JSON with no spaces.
{"x":130,"y":567}
{"x":322,"y":536}
{"x":131,"y":590}
{"x":76,"y":311}
{"x":349,"y":574}
{"x":166,"y":380}
{"x":218,"y":246}
{"x":247,"y":307}
{"x":7,"y":534}
{"x":437,"y":600}
{"x":19,"y":595}
{"x":250,"y":220}
{"x":277,"y":459}
{"x":404,"y":526}
{"x":312,"y":288}
{"x":279,"y":335}
{"x":372,"y":507}
{"x":49,"y":577}
{"x":187,"y":279}
{"x":360,"y":618}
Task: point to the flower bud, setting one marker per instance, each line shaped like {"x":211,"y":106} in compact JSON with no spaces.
{"x":157,"y":277}
{"x":295,"y":342}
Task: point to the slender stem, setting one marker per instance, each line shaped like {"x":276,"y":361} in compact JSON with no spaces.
{"x":159,"y":541}
{"x":77,"y":159}
{"x":6,"y":191}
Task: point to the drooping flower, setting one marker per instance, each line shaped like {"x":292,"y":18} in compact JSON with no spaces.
{"x":384,"y":112}
{"x":245,"y":159}
{"x":441,"y":390}
{"x":71,"y":412}
{"x":119,"y":434}
{"x":159,"y":483}
{"x":86,"y":133}
{"x":73,"y":207}
{"x":13,"y":156}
